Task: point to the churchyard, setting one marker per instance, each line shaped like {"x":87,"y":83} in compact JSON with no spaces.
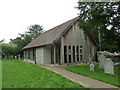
{"x":106,"y":69}
{"x":19,"y":74}
{"x":97,"y":74}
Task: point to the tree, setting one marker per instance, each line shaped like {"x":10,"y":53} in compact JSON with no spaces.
{"x":8,"y":50}
{"x":1,"y":41}
{"x":23,"y":39}
{"x":34,"y":30}
{"x":102,"y":18}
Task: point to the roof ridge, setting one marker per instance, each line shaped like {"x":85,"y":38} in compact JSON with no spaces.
{"x":53,"y":34}
{"x":59,"y":25}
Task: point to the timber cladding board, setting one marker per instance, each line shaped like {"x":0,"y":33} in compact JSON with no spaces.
{"x":74,"y":36}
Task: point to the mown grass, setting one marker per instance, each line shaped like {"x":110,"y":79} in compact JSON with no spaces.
{"x":18,"y":74}
{"x":97,"y":74}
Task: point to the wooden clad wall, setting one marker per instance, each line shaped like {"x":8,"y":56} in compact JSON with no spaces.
{"x":76,"y":37}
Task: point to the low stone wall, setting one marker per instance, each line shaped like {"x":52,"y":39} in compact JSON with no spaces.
{"x":115,"y":57}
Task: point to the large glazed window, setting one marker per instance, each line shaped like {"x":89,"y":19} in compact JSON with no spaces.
{"x":34,"y":54}
{"x":69,"y":53}
{"x":73,"y":53}
{"x":81,"y":50}
{"x":28,"y":54}
{"x":65,"y":54}
{"x":77,"y":49}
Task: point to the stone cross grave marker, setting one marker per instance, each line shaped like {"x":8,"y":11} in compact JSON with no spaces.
{"x":109,"y":66}
{"x":92,"y":67}
{"x":101,"y":60}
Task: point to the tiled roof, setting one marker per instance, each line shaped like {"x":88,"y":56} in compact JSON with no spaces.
{"x":51,"y":35}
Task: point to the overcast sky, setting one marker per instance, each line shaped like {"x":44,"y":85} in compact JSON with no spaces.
{"x":17,"y":15}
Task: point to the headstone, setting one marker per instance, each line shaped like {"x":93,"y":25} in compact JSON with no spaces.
{"x":19,"y":56}
{"x":92,"y":66}
{"x":101,"y":60}
{"x":15,"y":57}
{"x":109,"y":66}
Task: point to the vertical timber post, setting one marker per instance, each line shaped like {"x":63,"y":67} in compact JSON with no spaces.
{"x":54,"y":53}
{"x":72,"y":54}
{"x":75,"y":54}
{"x":67,"y":54}
{"x":27,"y":55}
{"x":24,"y":54}
{"x":62,"y":51}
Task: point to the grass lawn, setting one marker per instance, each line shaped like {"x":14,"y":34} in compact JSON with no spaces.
{"x":98,"y":74}
{"x":18,"y":74}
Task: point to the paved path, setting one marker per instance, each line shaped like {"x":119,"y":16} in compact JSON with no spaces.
{"x":82,"y":80}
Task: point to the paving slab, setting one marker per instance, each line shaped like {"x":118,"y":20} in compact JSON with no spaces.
{"x":80,"y":79}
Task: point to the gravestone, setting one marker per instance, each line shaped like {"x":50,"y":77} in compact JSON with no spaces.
{"x":92,"y":67}
{"x":15,"y":57}
{"x":101,"y":60}
{"x":109,"y":66}
{"x":19,"y":56}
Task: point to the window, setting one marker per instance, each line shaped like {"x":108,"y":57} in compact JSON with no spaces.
{"x":25,"y":55}
{"x":65,"y":54}
{"x":34,"y":54}
{"x":69,"y":53}
{"x":28,"y":54}
{"x":77,"y":49}
{"x":69,"y":50}
{"x":73,"y":53}
{"x":80,"y":49}
{"x":81,"y":57}
{"x":80,"y":53}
